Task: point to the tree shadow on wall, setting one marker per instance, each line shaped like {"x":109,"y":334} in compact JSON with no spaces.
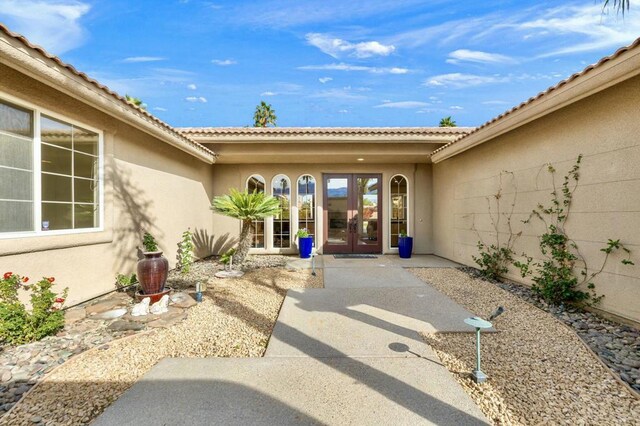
{"x":133,"y":210}
{"x":207,"y":245}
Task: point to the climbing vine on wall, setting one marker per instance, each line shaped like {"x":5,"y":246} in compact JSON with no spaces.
{"x":495,"y":257}
{"x":563,"y":276}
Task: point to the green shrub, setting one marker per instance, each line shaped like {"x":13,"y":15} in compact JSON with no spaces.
{"x":226,"y":257}
{"x":17,"y":324}
{"x":149,"y":243}
{"x":493,"y":260}
{"x":123,"y":281}
{"x":185,"y":251}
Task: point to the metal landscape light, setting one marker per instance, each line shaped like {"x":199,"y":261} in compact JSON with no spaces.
{"x":479,"y":323}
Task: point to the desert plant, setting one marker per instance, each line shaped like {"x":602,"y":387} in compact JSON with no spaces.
{"x":227,"y":255}
{"x":123,"y":281}
{"x":136,"y":101}
{"x":264,"y":115}
{"x":19,"y":325}
{"x":563,"y":276}
{"x":185,"y":251}
{"x":447,"y":122}
{"x":302,"y":233}
{"x":149,"y":243}
{"x":247,"y":207}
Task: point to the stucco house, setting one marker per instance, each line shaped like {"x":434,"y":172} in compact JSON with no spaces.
{"x":83,"y":173}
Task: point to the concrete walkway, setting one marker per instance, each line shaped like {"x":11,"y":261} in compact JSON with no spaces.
{"x":349,"y":354}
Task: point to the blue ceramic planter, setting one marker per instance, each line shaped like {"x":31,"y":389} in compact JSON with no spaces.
{"x":405,"y":247}
{"x":305,"y":244}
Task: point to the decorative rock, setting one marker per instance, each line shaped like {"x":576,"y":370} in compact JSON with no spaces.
{"x":36,"y":419}
{"x":182,"y":300}
{"x":161,"y":306}
{"x":5,"y":376}
{"x":103,"y":306}
{"x":125,"y":326}
{"x":141,"y":308}
{"x":74,"y":314}
{"x":108,"y":315}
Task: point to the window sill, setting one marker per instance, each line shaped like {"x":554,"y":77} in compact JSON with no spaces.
{"x":45,"y":242}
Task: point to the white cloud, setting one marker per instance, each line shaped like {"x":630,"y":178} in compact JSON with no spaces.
{"x":458,"y":80}
{"x":53,"y":25}
{"x":268,"y":94}
{"x":223,"y":62}
{"x":199,"y":99}
{"x":337,"y":47}
{"x":160,"y":109}
{"x":456,"y":107}
{"x":347,"y":67}
{"x":465,"y":55}
{"x":192,"y":86}
{"x":324,"y":80}
{"x":135,"y":59}
{"x":343,"y":111}
{"x":342,"y":94}
{"x":496,"y":102}
{"x":402,"y":104}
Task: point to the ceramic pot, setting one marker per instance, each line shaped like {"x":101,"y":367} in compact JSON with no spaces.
{"x":152,"y":272}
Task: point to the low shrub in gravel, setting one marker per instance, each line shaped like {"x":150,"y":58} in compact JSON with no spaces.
{"x":19,"y":325}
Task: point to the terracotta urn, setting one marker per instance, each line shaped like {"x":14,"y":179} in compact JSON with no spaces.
{"x":152,"y":272}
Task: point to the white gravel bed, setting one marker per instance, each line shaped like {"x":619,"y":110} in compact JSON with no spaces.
{"x":539,"y":370}
{"x":234,"y":320}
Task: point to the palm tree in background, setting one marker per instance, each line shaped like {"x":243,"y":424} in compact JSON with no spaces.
{"x":136,"y":101}
{"x":246,"y":206}
{"x":619,"y":5}
{"x":264,"y":115}
{"x":447,"y":122}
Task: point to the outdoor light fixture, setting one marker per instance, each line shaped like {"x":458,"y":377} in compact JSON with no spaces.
{"x":360,"y":159}
{"x":313,"y":262}
{"x":198,"y":292}
{"x":479,"y":323}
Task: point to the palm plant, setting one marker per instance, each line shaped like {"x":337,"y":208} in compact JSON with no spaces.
{"x":246,"y":206}
{"x":447,"y":122}
{"x":620,"y":5}
{"x":264,"y":115}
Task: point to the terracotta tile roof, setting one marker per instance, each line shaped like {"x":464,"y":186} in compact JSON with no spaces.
{"x":323,"y":131}
{"x":533,"y":99}
{"x":105,"y":89}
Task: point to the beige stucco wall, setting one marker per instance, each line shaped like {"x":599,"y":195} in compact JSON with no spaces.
{"x":149,"y":185}
{"x":604,"y":128}
{"x":229,"y":176}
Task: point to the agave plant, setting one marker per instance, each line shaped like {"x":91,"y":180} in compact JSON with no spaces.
{"x":246,"y":206}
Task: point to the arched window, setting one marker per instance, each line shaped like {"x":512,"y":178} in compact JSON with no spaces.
{"x":257,"y":183}
{"x":398,"y":206}
{"x":281,"y":189}
{"x":307,"y":204}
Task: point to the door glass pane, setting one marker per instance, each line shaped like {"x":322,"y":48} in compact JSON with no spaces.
{"x":398,"y":209}
{"x":306,"y":204}
{"x":367,"y":210}
{"x":281,"y":189}
{"x":337,"y":211}
{"x":256,"y":183}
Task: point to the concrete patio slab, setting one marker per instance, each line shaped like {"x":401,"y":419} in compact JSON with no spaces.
{"x":416,"y":261}
{"x":370,"y":277}
{"x":362,"y":321}
{"x":297,"y":263}
{"x":299,"y":391}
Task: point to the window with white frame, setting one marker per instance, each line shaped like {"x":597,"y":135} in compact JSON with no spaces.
{"x":256,"y":183}
{"x":398,"y":217}
{"x":307,"y":204}
{"x":281,"y":189}
{"x":49,"y":173}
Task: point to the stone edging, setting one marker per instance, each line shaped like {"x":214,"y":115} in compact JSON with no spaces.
{"x":54,"y":369}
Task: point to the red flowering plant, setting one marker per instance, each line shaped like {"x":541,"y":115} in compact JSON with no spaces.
{"x":19,"y":325}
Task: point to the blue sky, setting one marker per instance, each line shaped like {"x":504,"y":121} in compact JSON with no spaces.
{"x":325,"y":63}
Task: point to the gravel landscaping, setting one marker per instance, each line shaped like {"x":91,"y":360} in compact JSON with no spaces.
{"x":235,"y":319}
{"x":540,"y":372}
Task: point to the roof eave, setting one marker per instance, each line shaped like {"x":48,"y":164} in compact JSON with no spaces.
{"x":15,"y":54}
{"x":594,"y":80}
